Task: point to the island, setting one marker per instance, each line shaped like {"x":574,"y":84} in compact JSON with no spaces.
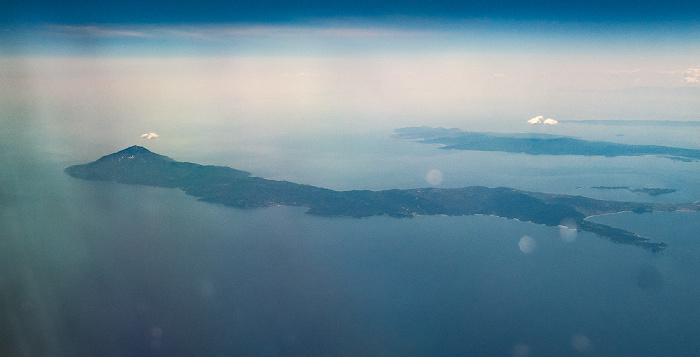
{"x":537,"y":144}
{"x":137,"y":165}
{"x":654,"y":191}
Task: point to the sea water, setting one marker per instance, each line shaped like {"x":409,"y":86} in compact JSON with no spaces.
{"x":98,"y":268}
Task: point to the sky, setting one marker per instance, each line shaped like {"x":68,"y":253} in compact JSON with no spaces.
{"x":104,"y":73}
{"x":266,"y":11}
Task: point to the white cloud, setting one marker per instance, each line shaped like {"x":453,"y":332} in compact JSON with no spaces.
{"x":499,"y":75}
{"x":536,"y":120}
{"x":691,"y":75}
{"x":149,"y":135}
{"x":541,"y":120}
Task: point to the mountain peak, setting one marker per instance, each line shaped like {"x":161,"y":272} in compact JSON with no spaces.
{"x":134,"y":153}
{"x":135,"y":149}
{"x":138,"y":165}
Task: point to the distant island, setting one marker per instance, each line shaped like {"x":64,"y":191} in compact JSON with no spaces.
{"x":138,"y":166}
{"x":643,"y":191}
{"x":537,"y":144}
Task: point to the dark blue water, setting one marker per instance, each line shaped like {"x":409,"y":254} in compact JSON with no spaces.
{"x":115,"y":270}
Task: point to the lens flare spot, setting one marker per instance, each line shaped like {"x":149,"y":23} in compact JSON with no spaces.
{"x":568,"y":230}
{"x":567,"y":234}
{"x":527,"y":244}
{"x":581,"y":343}
{"x":521,"y":350}
{"x":434,"y":177}
{"x":156,"y":332}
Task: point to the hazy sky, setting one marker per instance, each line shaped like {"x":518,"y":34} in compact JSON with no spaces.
{"x":107,"y":72}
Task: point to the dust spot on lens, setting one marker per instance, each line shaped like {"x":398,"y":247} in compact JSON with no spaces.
{"x":156,"y":334}
{"x":156,"y":344}
{"x":568,"y":230}
{"x":581,"y":343}
{"x":649,"y":278}
{"x":434,"y":177}
{"x":521,"y":350}
{"x":207,"y":288}
{"x":567,"y":234}
{"x":527,"y":244}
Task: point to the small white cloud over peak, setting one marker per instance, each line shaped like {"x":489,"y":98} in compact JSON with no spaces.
{"x":434,"y":177}
{"x":149,"y":136}
{"x":536,"y":120}
{"x":541,"y":120}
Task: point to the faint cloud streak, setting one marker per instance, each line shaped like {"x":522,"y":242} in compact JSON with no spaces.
{"x":624,"y":71}
{"x":219,"y":32}
{"x":100,"y":31}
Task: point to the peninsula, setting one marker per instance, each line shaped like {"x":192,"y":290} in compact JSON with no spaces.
{"x":538,"y":144}
{"x":654,"y":191}
{"x":138,"y":166}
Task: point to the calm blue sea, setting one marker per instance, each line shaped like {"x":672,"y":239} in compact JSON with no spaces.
{"x":103,"y":269}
